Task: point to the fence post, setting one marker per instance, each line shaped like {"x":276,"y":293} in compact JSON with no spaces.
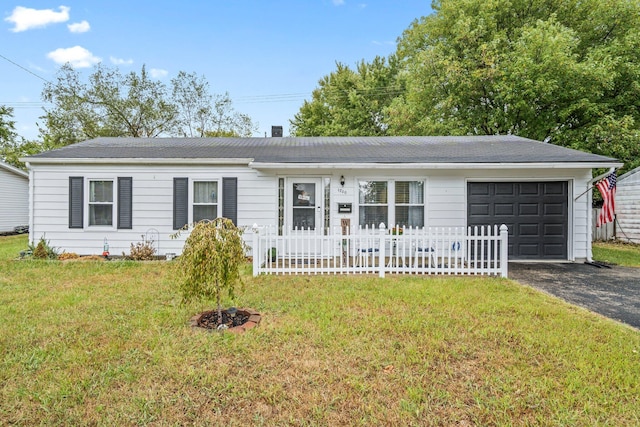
{"x":256,"y":251}
{"x":504,"y":251}
{"x":381,"y":259}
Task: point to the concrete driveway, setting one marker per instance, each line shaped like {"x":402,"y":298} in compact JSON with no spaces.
{"x":612,"y":292}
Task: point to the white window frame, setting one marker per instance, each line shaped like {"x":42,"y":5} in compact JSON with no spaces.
{"x":192,"y":194}
{"x":409,"y":205}
{"x":89,"y":203}
{"x":391,"y":198}
{"x":361,"y":205}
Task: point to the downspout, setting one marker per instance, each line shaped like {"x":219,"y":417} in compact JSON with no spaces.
{"x":31,"y":202}
{"x":590,"y":209}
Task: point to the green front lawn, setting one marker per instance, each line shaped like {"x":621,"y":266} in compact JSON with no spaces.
{"x":618,"y":253}
{"x":108,"y":343}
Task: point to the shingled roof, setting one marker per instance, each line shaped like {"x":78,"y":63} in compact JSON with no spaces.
{"x":330,"y":150}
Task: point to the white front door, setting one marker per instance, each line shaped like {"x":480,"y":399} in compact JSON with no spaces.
{"x":305,"y":204}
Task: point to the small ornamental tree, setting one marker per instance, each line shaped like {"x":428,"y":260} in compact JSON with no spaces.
{"x":210,"y":261}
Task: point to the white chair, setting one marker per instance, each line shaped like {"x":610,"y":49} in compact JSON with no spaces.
{"x":424,"y":253}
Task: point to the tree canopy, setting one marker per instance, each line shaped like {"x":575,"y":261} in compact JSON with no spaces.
{"x":110,"y":103}
{"x":349,"y":102}
{"x":562,"y":71}
{"x":12,"y":147}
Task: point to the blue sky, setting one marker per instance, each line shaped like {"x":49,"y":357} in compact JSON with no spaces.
{"x":268,"y":55}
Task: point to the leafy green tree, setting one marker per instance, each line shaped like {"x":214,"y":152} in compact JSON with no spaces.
{"x":566,"y":72}
{"x":202,"y":114}
{"x":134,"y":105}
{"x":13,"y":147}
{"x":349,"y":102}
{"x":8,"y":135}
{"x":561,"y":71}
{"x":210,"y":261}
{"x":109,"y":104}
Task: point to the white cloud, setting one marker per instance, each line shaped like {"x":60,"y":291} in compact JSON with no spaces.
{"x":157,"y":73}
{"x":120,"y":61}
{"x":79,"y":27}
{"x":26,"y":18}
{"x":77,"y":56}
{"x":338,"y":2}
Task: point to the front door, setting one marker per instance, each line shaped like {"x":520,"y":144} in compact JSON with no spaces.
{"x":305,"y":197}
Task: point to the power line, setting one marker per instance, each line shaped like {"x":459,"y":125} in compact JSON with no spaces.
{"x":24,"y":69}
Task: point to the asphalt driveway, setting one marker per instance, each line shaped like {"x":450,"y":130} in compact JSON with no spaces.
{"x":612,"y":292}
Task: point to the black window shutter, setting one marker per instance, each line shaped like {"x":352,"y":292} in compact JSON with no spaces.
{"x":180,"y":202}
{"x":230,"y":199}
{"x":125,"y":205}
{"x":76,"y":202}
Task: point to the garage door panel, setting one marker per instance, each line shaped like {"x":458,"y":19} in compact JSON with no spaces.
{"x":528,"y":209}
{"x":551,"y":250}
{"x":504,"y":209}
{"x":503,"y":189}
{"x":479,"y":209}
{"x":528,"y":249}
{"x":557,"y":188}
{"x":554,"y":209}
{"x":529,"y":230}
{"x":535,"y":212}
{"x":529,"y":189}
{"x":554,"y":230}
{"x":481,"y":189}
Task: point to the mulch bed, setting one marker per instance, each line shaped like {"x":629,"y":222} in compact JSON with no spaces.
{"x":244,"y":319}
{"x":209,"y":319}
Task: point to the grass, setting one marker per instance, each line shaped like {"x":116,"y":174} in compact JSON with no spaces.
{"x":107,"y":343}
{"x":618,"y":253}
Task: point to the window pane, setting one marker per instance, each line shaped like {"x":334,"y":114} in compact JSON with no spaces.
{"x":100,"y":214}
{"x":205,"y":192}
{"x":304,"y":194}
{"x":201,"y":212}
{"x":304,"y":218}
{"x":372,"y":216}
{"x":101,"y":191}
{"x":373,"y":192}
{"x":410,"y":192}
{"x":410,"y":216}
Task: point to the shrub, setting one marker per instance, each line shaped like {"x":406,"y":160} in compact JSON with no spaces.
{"x":43,"y":250}
{"x":142,"y":251}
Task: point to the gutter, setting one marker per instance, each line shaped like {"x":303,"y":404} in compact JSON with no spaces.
{"x":135,"y":161}
{"x":448,"y":165}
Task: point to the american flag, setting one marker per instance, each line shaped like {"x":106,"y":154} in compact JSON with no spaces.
{"x":607,"y":187}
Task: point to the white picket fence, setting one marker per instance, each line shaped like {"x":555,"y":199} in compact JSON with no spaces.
{"x":474,"y":250}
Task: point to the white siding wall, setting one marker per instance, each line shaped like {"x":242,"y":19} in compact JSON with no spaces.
{"x":628,"y":207}
{"x":152,"y":201}
{"x":14,"y":199}
{"x":446,"y":200}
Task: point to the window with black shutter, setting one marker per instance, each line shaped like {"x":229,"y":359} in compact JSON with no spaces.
{"x":180,"y":202}
{"x":76,"y":202}
{"x":230,"y":199}
{"x":125,"y":203}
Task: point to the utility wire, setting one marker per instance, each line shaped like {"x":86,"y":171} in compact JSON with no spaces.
{"x":23,"y":68}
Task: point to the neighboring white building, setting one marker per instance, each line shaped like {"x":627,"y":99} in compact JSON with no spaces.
{"x":120,"y":189}
{"x":14,"y":197}
{"x":628,"y":206}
